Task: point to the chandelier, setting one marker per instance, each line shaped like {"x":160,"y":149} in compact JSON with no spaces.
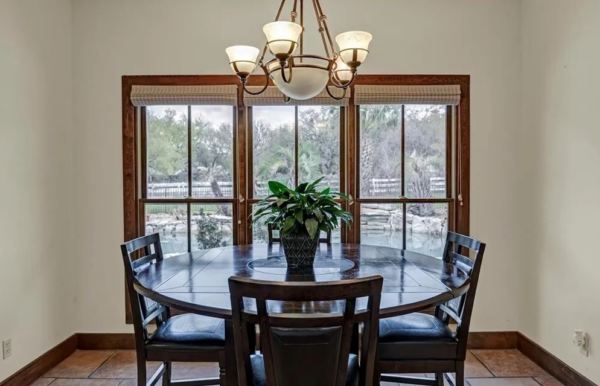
{"x":301,"y":76}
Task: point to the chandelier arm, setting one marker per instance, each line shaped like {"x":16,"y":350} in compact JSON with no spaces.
{"x":302,"y":34}
{"x":265,"y":86}
{"x":290,"y":65}
{"x":323,"y":18}
{"x":333,"y":97}
{"x":286,"y":99}
{"x":321,"y":29}
{"x":294,"y":14}
{"x":337,"y":84}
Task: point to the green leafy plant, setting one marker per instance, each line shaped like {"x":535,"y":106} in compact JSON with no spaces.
{"x":303,"y":210}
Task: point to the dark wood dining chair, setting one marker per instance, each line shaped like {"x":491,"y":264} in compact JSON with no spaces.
{"x":273,"y":239}
{"x":422,"y":343}
{"x":182,"y":338}
{"x":300,"y":349}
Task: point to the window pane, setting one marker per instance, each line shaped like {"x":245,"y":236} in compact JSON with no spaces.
{"x":425,"y":157}
{"x":380,"y":151}
{"x":273,"y":146}
{"x":166,"y":152}
{"x":381,"y":224}
{"x":170,"y":220}
{"x":212,"y":151}
{"x":426,"y":228}
{"x":212,"y":226}
{"x":260,"y":232}
{"x":319,"y":145}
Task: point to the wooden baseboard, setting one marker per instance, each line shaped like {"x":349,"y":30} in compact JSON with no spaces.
{"x":42,"y":364}
{"x":494,"y":340}
{"x":557,"y":368}
{"x":477,"y":340}
{"x":87,"y":341}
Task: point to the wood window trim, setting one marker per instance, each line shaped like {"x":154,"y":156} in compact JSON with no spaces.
{"x":348,"y":162}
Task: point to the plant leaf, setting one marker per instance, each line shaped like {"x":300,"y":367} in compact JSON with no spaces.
{"x":312,"y":226}
{"x":277,"y":187}
{"x":289,"y":224}
{"x":318,"y":213}
{"x":299,"y":216}
{"x":302,"y":188}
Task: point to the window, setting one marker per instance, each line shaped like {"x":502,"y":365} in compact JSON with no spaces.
{"x":404,"y":185}
{"x":188,"y":175}
{"x":193,"y":171}
{"x":292,"y":145}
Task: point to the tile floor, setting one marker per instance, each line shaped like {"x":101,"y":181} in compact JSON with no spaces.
{"x":117,"y":368}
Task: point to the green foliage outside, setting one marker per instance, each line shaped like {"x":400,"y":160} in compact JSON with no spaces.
{"x":303,"y":210}
{"x":209,"y":234}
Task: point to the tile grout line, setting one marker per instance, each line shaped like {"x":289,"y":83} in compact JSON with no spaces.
{"x":101,"y":364}
{"x":536,"y":381}
{"x":485,"y":365}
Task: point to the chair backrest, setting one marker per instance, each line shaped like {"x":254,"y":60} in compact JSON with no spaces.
{"x":273,"y":239}
{"x":300,"y":348}
{"x":460,"y":309}
{"x":148,"y":251}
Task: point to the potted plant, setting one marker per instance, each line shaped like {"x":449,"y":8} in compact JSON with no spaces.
{"x":300,"y":215}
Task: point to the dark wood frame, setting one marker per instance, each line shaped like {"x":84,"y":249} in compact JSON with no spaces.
{"x":348,"y":143}
{"x":149,"y":251}
{"x":349,"y":291}
{"x":457,"y":252}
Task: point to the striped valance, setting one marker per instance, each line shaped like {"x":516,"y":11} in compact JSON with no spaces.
{"x":184,"y":95}
{"x":273,"y":97}
{"x":405,"y":95}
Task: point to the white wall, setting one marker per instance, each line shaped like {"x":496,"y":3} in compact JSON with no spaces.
{"x":561,"y":155}
{"x":37,"y":288}
{"x":112,"y":38}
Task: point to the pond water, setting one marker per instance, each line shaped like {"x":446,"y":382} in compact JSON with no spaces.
{"x":426,"y":244}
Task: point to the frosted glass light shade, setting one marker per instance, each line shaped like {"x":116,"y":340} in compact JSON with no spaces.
{"x":306,"y":82}
{"x":242,"y":59}
{"x":282,"y":38}
{"x":354,"y":47}
{"x":342,"y":72}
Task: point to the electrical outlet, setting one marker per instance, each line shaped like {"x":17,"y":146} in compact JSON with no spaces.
{"x":6,"y":349}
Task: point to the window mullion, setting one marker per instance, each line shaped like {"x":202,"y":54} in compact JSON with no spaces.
{"x":296,"y":146}
{"x":403,"y":174}
{"x":190,"y":176}
{"x":143,"y":151}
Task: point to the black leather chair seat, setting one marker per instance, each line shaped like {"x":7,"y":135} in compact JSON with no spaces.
{"x":407,"y":337}
{"x":189,"y":331}
{"x":259,"y":377}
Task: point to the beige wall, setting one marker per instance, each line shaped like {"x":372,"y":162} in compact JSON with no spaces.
{"x":113,"y":38}
{"x":561,"y":156}
{"x":37,"y":285}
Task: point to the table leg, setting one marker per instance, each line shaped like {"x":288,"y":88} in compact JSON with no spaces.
{"x":231,"y":376}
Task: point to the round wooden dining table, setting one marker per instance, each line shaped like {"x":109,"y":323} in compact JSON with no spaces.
{"x":197,"y":282}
